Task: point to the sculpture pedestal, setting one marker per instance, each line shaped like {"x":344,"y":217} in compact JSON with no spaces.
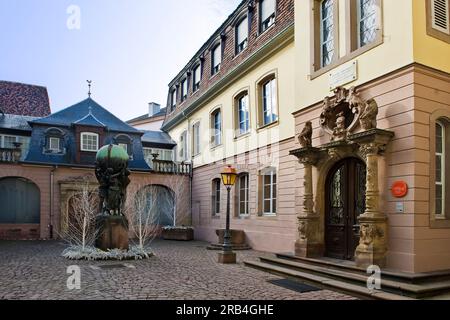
{"x":112,"y":233}
{"x":227,"y":257}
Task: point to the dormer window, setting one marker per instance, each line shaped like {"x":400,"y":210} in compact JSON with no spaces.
{"x":184,"y":89}
{"x":173,"y":99}
{"x":267,"y":17}
{"x":216,"y":59}
{"x":125,"y":142}
{"x":54,"y":144}
{"x":89,"y":142}
{"x":242,"y":35}
{"x":197,"y":77}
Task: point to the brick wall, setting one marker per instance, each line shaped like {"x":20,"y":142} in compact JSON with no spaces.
{"x":284,"y":18}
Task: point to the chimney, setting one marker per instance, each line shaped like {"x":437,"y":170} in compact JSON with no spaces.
{"x":153,"y":108}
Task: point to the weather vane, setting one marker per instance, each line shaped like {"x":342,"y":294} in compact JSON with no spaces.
{"x":89,"y":85}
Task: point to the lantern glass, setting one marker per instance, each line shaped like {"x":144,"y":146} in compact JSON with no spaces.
{"x":229,"y":176}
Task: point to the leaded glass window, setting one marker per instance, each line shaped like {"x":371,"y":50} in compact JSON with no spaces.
{"x":367,"y":21}
{"x":327,"y":32}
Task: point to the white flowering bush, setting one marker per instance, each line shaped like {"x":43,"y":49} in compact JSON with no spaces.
{"x":94,"y":254}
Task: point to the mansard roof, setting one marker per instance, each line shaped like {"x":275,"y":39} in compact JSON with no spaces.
{"x":87,"y":112}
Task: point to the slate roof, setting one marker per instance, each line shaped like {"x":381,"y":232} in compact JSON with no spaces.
{"x":157,"y":137}
{"x":15,"y":122}
{"x":146,"y":117}
{"x":87,"y":112}
{"x":24,"y":99}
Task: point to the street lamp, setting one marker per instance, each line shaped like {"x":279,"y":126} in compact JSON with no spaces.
{"x":227,"y":256}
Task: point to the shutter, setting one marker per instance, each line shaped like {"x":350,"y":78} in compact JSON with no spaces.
{"x":440,"y":15}
{"x":267,"y":9}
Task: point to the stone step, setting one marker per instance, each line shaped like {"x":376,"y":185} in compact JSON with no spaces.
{"x":360,"y":278}
{"x":416,"y":278}
{"x":325,"y":282}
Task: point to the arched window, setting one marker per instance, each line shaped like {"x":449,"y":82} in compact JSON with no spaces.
{"x":215,"y":197}
{"x":54,"y":141}
{"x":242,"y":113}
{"x":216,"y":127}
{"x":267,"y":100}
{"x":125,"y":142}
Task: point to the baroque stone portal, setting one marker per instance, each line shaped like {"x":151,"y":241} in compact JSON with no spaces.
{"x":351,"y":123}
{"x":112,"y":174}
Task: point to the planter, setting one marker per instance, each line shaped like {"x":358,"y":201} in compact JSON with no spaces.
{"x":178,"y":234}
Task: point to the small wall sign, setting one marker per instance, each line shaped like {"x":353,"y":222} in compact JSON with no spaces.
{"x":399,"y":189}
{"x":343,"y":75}
{"x":400,"y":207}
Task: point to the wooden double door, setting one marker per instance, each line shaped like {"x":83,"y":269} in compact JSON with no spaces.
{"x":345,"y":202}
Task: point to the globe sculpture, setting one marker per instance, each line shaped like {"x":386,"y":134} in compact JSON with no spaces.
{"x":111,"y":170}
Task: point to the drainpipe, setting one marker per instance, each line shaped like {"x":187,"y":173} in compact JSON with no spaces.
{"x":52,"y":179}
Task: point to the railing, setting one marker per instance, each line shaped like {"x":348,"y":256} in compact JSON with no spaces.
{"x":10,"y":155}
{"x":162,"y":166}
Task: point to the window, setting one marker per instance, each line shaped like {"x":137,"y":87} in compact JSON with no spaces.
{"x":184,"y":89}
{"x":54,"y":144}
{"x":440,"y":169}
{"x":243,"y":196}
{"x":243,"y":115}
{"x":327,"y":29}
{"x":197,"y":78}
{"x":183,"y":146}
{"x":7,"y":142}
{"x":173,"y":98}
{"x":267,"y":8}
{"x":242,"y":35}
{"x":89,"y":142}
{"x":215,"y":199}
{"x":367,"y":22}
{"x":196,"y":138}
{"x":269,"y":111}
{"x":124,"y":146}
{"x":216,"y":59}
{"x":216,"y":127}
{"x":269,"y":191}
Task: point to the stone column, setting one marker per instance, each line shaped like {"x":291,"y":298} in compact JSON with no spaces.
{"x":308,"y":245}
{"x":372,"y":247}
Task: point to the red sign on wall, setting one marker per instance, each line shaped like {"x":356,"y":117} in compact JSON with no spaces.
{"x":399,"y":189}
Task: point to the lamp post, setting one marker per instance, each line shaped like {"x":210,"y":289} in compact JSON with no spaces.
{"x":227,"y":256}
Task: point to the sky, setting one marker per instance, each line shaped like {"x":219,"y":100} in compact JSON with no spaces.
{"x":130,"y":49}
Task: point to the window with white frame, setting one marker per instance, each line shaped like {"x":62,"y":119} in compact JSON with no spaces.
{"x":367,"y":21}
{"x":243,"y":196}
{"x":8,"y":141}
{"x":89,"y":142}
{"x":269,"y":191}
{"x":163,"y":154}
{"x":327,"y":30}
{"x":440,"y":169}
{"x":124,"y":146}
{"x":54,"y":144}
{"x":243,"y":114}
{"x":215,"y":198}
{"x":197,"y":77}
{"x":216,"y":127}
{"x":216,"y":59}
{"x":242,"y":35}
{"x":267,"y":17}
{"x":196,"y":138}
{"x":269,"y":101}
{"x":184,"y":89}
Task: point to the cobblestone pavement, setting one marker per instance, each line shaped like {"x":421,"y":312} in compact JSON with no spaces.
{"x":35,"y":270}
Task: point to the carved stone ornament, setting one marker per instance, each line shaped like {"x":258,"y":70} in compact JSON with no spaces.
{"x":302,"y":226}
{"x":369,"y":232}
{"x":305,"y":138}
{"x":342,"y":113}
